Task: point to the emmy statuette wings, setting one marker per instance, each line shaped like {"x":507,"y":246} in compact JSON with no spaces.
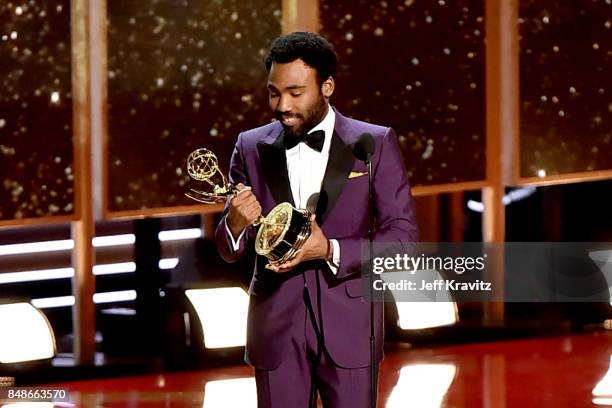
{"x":202,"y":165}
{"x":281,"y":233}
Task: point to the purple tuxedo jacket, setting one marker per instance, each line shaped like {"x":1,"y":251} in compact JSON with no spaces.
{"x":259,"y":161}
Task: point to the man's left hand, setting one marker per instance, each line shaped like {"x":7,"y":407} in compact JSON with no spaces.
{"x":315,"y":247}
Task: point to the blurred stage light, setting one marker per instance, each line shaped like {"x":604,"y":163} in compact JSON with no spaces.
{"x":512,"y":197}
{"x":175,"y":235}
{"x":34,"y":247}
{"x":222,"y":313}
{"x":26,"y":334}
{"x":37,"y":275}
{"x":113,"y":240}
{"x":50,"y":302}
{"x":603,"y":260}
{"x":602,"y":393}
{"x":422,"y":385}
{"x":63,"y":273}
{"x":424,"y":315}
{"x":114,"y":268}
{"x":168,"y":263}
{"x":97,"y":242}
{"x":237,"y":392}
{"x":118,"y":296}
{"x":436,"y":312}
{"x":98,"y":298}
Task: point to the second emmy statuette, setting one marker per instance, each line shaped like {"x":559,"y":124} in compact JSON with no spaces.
{"x":281,"y":233}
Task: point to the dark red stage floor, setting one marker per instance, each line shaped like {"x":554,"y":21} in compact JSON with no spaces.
{"x":568,"y":371}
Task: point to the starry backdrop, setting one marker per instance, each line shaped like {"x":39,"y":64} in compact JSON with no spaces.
{"x":184,"y":74}
{"x":417,"y":66}
{"x":181,"y":75}
{"x":35,"y":109}
{"x":566,"y":86}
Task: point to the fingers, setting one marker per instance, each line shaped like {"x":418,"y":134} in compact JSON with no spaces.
{"x":252,"y":211}
{"x":243,"y":196}
{"x":240,"y":191}
{"x":249,"y":212}
{"x":243,"y":208}
{"x":241,"y":187}
{"x":272,"y":267}
{"x":285,"y":266}
{"x":314,"y":227}
{"x":280,"y":268}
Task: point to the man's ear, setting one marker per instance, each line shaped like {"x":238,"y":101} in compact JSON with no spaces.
{"x":327,"y":87}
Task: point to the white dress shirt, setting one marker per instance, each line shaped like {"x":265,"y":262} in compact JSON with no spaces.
{"x":305,"y":170}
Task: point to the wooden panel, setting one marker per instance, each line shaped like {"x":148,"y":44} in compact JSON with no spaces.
{"x":83,"y":256}
{"x":300,"y":15}
{"x":447,"y":188}
{"x":25,"y":222}
{"x":456,"y":217}
{"x":167,"y":211}
{"x":428,"y":217}
{"x":565,"y":178}
{"x":502,"y":127}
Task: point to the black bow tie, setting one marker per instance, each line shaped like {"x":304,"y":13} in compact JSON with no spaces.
{"x":314,"y":140}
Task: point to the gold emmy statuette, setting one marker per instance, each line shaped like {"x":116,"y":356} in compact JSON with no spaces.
{"x":281,"y":233}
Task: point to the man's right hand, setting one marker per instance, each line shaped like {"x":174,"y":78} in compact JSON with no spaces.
{"x":243,"y":210}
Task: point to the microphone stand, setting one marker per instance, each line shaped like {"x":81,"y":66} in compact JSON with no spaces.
{"x":368,"y":162}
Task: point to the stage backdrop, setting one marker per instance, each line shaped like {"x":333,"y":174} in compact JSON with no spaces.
{"x":417,"y":66}
{"x":565,"y":86}
{"x":188,"y":74}
{"x":181,"y":75}
{"x":36,"y":166}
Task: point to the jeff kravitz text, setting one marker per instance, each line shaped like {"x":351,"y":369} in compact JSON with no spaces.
{"x":435,"y":285}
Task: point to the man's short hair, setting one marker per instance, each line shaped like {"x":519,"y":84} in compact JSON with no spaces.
{"x":314,"y":50}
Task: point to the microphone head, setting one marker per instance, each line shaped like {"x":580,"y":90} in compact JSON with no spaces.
{"x":364,"y":147}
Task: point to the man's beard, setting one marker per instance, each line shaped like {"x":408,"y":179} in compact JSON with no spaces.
{"x":310,"y":120}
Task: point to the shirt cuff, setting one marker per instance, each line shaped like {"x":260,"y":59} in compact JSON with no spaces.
{"x":235,"y":242}
{"x":334,"y":264}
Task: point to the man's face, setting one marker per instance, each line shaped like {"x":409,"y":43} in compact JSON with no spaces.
{"x":295,"y":96}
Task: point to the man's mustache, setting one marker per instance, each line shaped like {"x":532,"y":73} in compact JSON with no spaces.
{"x":281,"y":115}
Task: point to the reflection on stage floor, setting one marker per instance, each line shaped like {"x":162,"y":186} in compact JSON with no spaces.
{"x":564,"y":371}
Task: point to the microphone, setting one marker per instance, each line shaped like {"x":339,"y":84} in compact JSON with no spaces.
{"x":364,"y":147}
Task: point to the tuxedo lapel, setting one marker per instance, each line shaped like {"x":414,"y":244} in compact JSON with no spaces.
{"x":339,"y":165}
{"x":273,"y":162}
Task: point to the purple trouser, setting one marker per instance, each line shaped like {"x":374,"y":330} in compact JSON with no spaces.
{"x":290,"y":385}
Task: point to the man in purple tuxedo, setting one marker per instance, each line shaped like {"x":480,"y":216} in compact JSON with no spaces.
{"x":308,"y":326}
